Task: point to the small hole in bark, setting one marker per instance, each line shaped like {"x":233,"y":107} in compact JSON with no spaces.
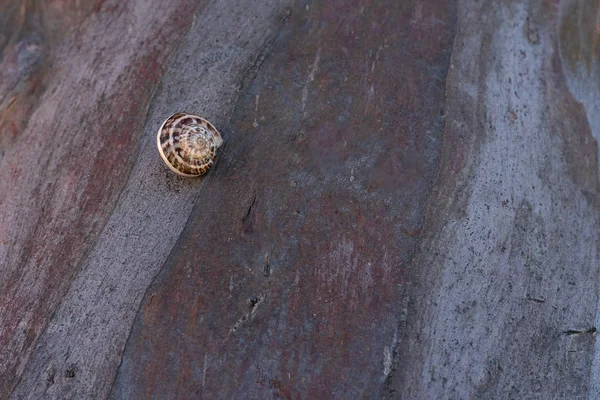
{"x":70,"y":373}
{"x":247,"y":219}
{"x":50,"y":376}
{"x":286,"y":16}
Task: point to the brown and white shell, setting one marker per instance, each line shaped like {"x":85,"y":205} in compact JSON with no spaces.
{"x":188,"y":144}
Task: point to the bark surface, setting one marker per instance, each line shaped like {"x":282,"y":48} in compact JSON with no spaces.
{"x":406,"y":205}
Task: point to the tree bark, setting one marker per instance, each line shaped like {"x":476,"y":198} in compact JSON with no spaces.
{"x":406,"y":204}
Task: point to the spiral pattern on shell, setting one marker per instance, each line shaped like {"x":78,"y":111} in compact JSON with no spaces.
{"x":188,"y":144}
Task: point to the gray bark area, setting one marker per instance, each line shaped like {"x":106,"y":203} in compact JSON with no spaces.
{"x":520,"y":255}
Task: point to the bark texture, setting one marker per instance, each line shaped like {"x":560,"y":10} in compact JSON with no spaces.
{"x":406,"y":205}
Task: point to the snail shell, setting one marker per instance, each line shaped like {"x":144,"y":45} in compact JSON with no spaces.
{"x":188,"y":144}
